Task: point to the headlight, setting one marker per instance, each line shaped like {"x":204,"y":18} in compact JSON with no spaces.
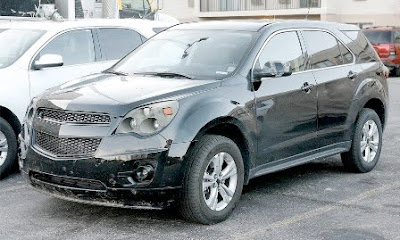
{"x":150,"y":119}
{"x":28,"y":120}
{"x":30,"y":111}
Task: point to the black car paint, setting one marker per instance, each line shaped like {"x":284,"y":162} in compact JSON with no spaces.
{"x":281,"y":125}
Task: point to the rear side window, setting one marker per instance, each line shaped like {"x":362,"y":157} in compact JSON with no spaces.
{"x":116,"y":43}
{"x":283,"y":48}
{"x":76,"y":47}
{"x":325,"y":50}
{"x":379,"y":37}
{"x":396,"y":36}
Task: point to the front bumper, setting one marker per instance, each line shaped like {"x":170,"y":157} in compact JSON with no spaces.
{"x":104,"y":182}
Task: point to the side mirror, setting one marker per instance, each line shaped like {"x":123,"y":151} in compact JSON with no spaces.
{"x":272,"y":69}
{"x":48,"y":61}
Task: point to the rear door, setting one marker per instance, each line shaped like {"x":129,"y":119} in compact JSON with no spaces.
{"x":286,"y":107}
{"x":78,"y":50}
{"x":336,"y":73}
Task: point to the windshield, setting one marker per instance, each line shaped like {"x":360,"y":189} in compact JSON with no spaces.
{"x":376,"y":37}
{"x":14,"y":43}
{"x":200,"y":54}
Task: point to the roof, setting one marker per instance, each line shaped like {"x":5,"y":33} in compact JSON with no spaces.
{"x":68,"y":24}
{"x":255,"y":26}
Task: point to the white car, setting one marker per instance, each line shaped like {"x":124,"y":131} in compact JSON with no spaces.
{"x":37,"y":55}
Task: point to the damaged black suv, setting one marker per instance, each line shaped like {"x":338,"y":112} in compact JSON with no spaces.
{"x":200,"y":109}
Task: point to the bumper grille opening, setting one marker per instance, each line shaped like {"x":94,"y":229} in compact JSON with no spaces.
{"x":66,"y":147}
{"x":73,"y":117}
{"x":84,"y":184}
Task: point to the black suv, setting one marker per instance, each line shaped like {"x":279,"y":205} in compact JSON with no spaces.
{"x":200,"y":109}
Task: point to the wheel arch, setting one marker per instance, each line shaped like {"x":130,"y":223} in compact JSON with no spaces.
{"x":378,"y":106}
{"x":233,"y":129}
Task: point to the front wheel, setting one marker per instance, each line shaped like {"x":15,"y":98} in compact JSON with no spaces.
{"x":8,"y":147}
{"x":213,"y":180}
{"x":367,"y":143}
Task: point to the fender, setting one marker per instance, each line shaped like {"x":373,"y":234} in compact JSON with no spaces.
{"x":205,"y":113}
{"x":368,"y":89}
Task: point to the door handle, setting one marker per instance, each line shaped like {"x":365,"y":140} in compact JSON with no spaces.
{"x":306,"y":87}
{"x":352,"y":75}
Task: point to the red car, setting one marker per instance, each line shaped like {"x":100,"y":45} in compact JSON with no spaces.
{"x":386,"y":41}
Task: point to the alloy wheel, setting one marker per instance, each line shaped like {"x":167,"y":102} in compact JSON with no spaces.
{"x":220,"y":180}
{"x":369,"y":141}
{"x":3,"y":148}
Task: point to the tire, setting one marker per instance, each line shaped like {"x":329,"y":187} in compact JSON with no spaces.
{"x":7,"y":133}
{"x":358,"y":160}
{"x":193,"y":205}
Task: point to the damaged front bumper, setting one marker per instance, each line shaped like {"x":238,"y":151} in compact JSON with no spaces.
{"x":148,"y":179}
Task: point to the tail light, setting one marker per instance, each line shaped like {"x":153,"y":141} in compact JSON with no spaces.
{"x":392,"y":51}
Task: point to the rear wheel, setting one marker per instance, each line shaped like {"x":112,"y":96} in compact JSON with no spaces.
{"x":213,"y":180}
{"x":8,"y":147}
{"x":367,"y":143}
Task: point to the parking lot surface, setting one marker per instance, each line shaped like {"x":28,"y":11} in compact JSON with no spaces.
{"x":314,"y":201}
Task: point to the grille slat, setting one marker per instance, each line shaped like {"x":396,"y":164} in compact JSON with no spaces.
{"x":67,"y":147}
{"x":73,"y":117}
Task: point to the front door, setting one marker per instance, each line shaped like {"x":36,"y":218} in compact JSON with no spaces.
{"x":286,"y":106}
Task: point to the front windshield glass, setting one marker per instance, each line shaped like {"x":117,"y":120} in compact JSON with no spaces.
{"x":200,"y":54}
{"x":14,"y":43}
{"x":379,"y":37}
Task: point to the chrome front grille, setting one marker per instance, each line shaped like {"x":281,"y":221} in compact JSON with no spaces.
{"x":66,"y":147}
{"x":57,"y":116}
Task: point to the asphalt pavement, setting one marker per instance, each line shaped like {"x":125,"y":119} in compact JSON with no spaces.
{"x":314,"y":201}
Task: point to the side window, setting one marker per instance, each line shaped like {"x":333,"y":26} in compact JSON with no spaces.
{"x":76,"y":47}
{"x":323,"y":50}
{"x":283,"y":48}
{"x":396,"y":37}
{"x":116,"y":43}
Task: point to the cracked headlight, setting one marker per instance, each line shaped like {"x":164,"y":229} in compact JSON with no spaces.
{"x":150,"y":119}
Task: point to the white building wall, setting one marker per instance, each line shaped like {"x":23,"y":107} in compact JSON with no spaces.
{"x":374,"y":12}
{"x":179,"y":9}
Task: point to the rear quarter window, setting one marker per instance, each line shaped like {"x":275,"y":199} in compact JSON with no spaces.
{"x":360,"y":46}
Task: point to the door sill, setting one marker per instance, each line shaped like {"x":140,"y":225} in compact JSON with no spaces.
{"x":300,"y":159}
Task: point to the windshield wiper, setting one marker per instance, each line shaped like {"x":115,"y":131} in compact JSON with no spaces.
{"x":166,"y":74}
{"x":115,"y":72}
{"x":186,"y":52}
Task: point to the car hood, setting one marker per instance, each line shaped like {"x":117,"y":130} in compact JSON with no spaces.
{"x":117,"y":95}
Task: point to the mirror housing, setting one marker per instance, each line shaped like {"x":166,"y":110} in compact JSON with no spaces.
{"x":272,"y":69}
{"x":48,"y":61}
